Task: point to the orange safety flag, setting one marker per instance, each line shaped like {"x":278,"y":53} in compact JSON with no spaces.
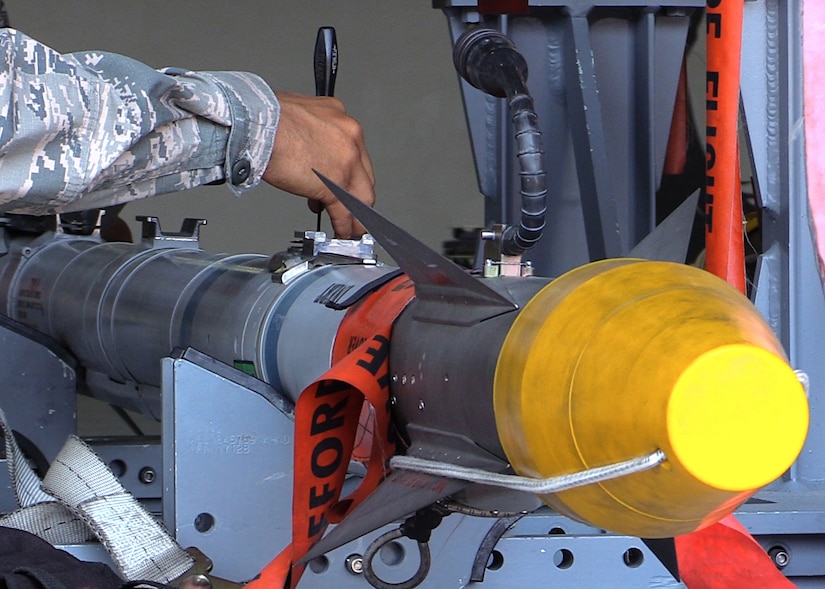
{"x":725,"y":556}
{"x":724,"y":229}
{"x":327,"y":420}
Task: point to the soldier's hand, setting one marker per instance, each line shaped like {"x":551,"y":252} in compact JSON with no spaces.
{"x":316,"y":132}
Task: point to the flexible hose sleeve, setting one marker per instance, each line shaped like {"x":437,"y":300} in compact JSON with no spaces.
{"x":530,"y":154}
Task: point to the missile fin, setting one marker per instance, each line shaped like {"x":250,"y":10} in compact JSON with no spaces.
{"x":669,"y":241}
{"x":399,"y":495}
{"x":438,"y":281}
{"x":404,"y":492}
{"x":665,"y":550}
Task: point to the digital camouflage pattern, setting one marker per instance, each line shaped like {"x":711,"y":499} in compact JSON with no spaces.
{"x":93,"y":129}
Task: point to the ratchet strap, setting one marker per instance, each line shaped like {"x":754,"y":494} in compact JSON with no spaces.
{"x":725,"y":555}
{"x":328,"y":419}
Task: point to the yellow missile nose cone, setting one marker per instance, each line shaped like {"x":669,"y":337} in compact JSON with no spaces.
{"x":737,"y":417}
{"x":619,"y":358}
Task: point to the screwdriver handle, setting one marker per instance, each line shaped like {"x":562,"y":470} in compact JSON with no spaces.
{"x":326,"y":62}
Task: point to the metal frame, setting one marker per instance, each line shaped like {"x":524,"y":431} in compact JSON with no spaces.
{"x":603,"y":77}
{"x":604,"y":160}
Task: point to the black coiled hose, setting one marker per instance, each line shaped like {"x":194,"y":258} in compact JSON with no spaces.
{"x":489,"y":60}
{"x":530,"y":153}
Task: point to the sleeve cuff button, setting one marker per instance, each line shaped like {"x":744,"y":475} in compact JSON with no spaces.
{"x":240,"y":171}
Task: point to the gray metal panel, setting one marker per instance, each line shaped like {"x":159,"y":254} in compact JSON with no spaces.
{"x":541,"y":550}
{"x":788,"y":289}
{"x":38,"y":395}
{"x":213,"y":457}
{"x":578,"y":561}
{"x":227,"y":459}
{"x":137,"y":464}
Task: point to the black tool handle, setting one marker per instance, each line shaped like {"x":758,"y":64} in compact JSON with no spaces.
{"x":326,"y":62}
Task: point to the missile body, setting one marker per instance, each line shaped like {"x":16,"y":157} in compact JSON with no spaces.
{"x":649,"y":356}
{"x":611,"y":361}
{"x":120,"y":308}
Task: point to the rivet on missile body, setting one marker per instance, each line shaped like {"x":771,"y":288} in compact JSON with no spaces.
{"x":421,"y":404}
{"x":403,"y":379}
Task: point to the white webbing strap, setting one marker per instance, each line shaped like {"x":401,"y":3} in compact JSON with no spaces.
{"x":138,"y":545}
{"x":81,"y":499}
{"x":25,"y":481}
{"x":39,"y":513}
{"x":51,"y":521}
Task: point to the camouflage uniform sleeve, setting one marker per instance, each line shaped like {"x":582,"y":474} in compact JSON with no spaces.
{"x":93,"y":129}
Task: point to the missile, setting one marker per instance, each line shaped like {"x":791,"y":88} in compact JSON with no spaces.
{"x":611,"y":361}
{"x":538,"y":377}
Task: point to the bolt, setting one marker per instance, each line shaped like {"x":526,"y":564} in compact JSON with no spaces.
{"x":147,"y":475}
{"x":196,"y":582}
{"x":779,"y":556}
{"x":355,"y":564}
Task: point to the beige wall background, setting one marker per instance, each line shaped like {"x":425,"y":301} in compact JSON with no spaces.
{"x":396,"y":77}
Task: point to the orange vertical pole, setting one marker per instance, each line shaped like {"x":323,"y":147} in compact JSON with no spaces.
{"x":724,"y":231}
